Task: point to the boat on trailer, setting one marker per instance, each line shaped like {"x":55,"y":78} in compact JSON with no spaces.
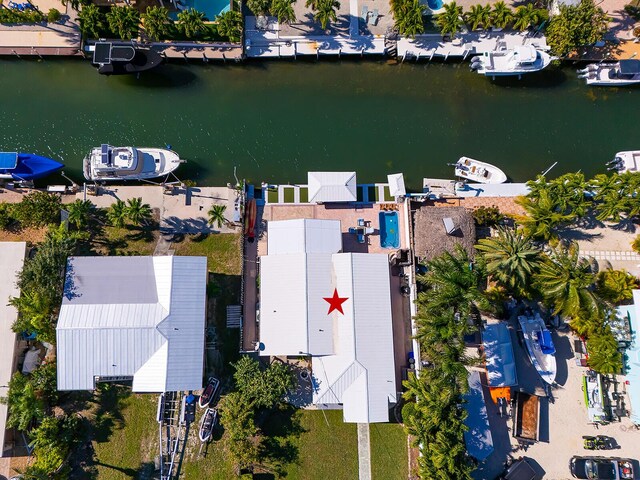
{"x":207,"y":422}
{"x":539,"y":346}
{"x":625,"y":162}
{"x":107,"y":163}
{"x":618,"y":74}
{"x":477,"y":171}
{"x":26,"y":167}
{"x":505,"y":61}
{"x":122,"y":59}
{"x":594,"y":397}
{"x":209,"y":392}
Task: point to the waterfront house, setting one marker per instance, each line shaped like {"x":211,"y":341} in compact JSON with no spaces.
{"x":139,"y":319}
{"x":11,"y":260}
{"x":334,"y":308}
{"x":630,"y":315}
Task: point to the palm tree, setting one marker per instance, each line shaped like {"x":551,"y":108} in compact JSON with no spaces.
{"x":453,"y":280}
{"x":191,"y":23}
{"x":501,"y":16}
{"x":408,"y":16}
{"x":156,"y":22}
{"x":230,"y":25}
{"x":567,"y":281}
{"x":216,"y":215}
{"x":569,"y":192}
{"x":543,"y":215}
{"x":283,"y":10}
{"x":511,"y":258}
{"x":450,"y":20}
{"x":259,"y":7}
{"x":124,"y":21}
{"x":79,"y":213}
{"x":117,"y":214}
{"x":35,"y":314}
{"x":137,"y":211}
{"x":526,"y":16}
{"x":479,"y":15}
{"x":91,"y":21}
{"x":610,"y":197}
{"x":325,"y":11}
{"x":616,"y":286}
{"x":604,"y":356}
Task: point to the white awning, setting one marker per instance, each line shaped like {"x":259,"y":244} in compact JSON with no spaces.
{"x":396,"y":185}
{"x":332,"y":187}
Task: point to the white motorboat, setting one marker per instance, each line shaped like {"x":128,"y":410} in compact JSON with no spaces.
{"x":504,"y":61}
{"x":479,"y":172}
{"x":594,"y":397}
{"x":539,"y":346}
{"x":618,"y":74}
{"x":625,"y":162}
{"x":107,"y":163}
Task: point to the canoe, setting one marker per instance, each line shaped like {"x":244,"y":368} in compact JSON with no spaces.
{"x":209,"y":392}
{"x":250,"y":220}
{"x":207,"y":422}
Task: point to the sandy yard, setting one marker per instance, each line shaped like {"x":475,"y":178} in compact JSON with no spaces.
{"x":563,"y":421}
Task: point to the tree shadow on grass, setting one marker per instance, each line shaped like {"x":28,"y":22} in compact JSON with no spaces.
{"x":281,"y":428}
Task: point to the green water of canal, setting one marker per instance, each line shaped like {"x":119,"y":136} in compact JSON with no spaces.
{"x":277,"y":120}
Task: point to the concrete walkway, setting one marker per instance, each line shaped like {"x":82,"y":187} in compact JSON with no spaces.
{"x":364,"y":452}
{"x":628,"y":255}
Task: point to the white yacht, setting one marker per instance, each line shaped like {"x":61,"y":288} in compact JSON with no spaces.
{"x":504,"y":61}
{"x":477,"y":171}
{"x":625,"y":162}
{"x":539,"y":346}
{"x":107,"y":163}
{"x":618,"y":74}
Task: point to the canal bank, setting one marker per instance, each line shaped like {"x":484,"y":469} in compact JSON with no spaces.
{"x":276,"y":120}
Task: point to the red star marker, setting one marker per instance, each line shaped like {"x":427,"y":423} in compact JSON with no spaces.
{"x":335,"y":302}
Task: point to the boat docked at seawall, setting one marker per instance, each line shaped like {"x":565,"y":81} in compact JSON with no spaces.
{"x":504,"y":61}
{"x":122,"y":59}
{"x":625,"y":162}
{"x":26,"y":167}
{"x":107,"y":163}
{"x":618,"y":74}
{"x":477,"y":171}
{"x":539,"y":346}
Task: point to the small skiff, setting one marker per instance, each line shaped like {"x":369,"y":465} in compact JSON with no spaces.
{"x":209,"y":393}
{"x":480,"y":172}
{"x":207,"y":422}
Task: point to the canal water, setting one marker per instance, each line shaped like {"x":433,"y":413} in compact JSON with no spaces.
{"x":275,"y":120}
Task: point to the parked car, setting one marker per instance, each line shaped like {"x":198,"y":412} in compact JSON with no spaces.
{"x":520,"y":469}
{"x":601,"y":468}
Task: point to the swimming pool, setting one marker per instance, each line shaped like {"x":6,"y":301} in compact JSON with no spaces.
{"x":389,"y":234}
{"x":435,"y":4}
{"x":211,"y":8}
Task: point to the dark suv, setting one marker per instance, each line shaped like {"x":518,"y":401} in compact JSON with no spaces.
{"x":601,"y":468}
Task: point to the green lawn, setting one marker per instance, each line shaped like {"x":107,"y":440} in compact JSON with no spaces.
{"x":289,"y":194}
{"x":388,"y":452}
{"x":272,"y":195}
{"x":304,"y":194}
{"x":221,"y":249}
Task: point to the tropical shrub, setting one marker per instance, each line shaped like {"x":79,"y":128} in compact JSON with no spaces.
{"x":576,"y":26}
{"x":283,"y":10}
{"x":37,"y":209}
{"x":633,"y":11}
{"x":527,"y":16}
{"x":636,"y":244}
{"x":604,"y":356}
{"x":616,"y":286}
{"x":29,"y":16}
{"x":24,"y":404}
{"x":479,"y":15}
{"x":263,"y":387}
{"x":53,"y":15}
{"x":6,"y":218}
{"x":501,"y":15}
{"x":156,"y":22}
{"x":230,"y":25}
{"x":408,"y":17}
{"x":241,"y":436}
{"x":488,"y":216}
{"x":450,"y":20}
{"x":79,"y":213}
{"x":52,"y":442}
{"x":324,"y":11}
{"x":92,"y":21}
{"x":124,"y":21}
{"x":259,"y":7}
{"x":191,"y":23}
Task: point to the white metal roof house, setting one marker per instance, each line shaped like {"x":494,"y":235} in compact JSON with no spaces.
{"x":334,"y":307}
{"x":332,"y":187}
{"x":11,"y":262}
{"x":133,"y":317}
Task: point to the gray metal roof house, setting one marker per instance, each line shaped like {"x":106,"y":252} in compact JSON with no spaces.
{"x":138,"y":318}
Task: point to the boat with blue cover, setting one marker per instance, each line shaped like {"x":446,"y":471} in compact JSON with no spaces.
{"x":25,"y":167}
{"x":539,"y":346}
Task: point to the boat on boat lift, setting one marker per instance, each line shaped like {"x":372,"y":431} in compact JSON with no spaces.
{"x":505,"y":61}
{"x":107,"y":163}
{"x":617,"y":74}
{"x":477,"y":171}
{"x":623,"y":162}
{"x":26,"y":167}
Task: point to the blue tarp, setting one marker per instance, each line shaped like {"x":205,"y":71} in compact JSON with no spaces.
{"x":8,"y":160}
{"x":478,"y":438}
{"x":632,"y":363}
{"x":546,"y":343}
{"x":500,"y":364}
